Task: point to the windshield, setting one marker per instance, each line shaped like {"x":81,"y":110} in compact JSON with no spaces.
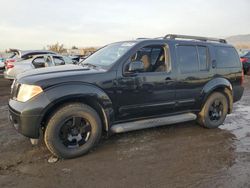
{"x":108,"y":55}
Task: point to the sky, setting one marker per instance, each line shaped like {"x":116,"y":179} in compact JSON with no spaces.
{"x":34,"y":24}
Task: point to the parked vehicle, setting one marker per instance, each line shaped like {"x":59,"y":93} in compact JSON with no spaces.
{"x":245,"y":60}
{"x":37,"y":61}
{"x":128,"y":86}
{"x":19,"y":55}
{"x":1,"y":63}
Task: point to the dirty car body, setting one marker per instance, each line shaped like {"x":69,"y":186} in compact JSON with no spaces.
{"x":133,"y":85}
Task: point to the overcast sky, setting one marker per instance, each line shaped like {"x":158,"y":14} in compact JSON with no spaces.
{"x":33,"y":24}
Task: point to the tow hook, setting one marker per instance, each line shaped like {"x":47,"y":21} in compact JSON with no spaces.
{"x":34,"y":142}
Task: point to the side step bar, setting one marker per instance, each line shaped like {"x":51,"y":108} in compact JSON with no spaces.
{"x":149,"y":123}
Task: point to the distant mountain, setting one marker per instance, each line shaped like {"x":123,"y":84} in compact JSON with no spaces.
{"x":239,"y":39}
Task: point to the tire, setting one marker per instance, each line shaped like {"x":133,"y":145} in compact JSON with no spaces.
{"x":73,"y":130}
{"x":214,"y":111}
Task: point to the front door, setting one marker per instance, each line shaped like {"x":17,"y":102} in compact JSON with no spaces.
{"x":148,"y":92}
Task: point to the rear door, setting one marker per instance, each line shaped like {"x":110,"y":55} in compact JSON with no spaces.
{"x":194,"y":71}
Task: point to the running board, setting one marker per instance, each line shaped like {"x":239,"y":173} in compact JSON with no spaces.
{"x":149,"y":123}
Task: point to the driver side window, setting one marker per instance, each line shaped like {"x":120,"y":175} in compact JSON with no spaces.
{"x":154,"y":59}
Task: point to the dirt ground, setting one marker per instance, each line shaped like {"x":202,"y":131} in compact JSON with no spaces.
{"x":183,"y":155}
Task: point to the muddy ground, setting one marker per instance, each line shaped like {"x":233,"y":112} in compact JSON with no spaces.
{"x":183,"y":155}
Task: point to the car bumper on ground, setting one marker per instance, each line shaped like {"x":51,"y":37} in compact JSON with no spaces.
{"x":27,"y":117}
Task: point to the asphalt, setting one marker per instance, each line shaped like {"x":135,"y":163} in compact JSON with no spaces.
{"x":182,"y":155}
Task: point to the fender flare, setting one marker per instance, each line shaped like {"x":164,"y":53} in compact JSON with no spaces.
{"x":71,"y":91}
{"x":218,"y":84}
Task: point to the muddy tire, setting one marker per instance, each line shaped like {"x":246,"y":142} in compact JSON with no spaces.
{"x":73,"y":130}
{"x":214,"y":111}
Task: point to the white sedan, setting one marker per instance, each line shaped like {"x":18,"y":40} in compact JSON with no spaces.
{"x":37,"y":61}
{"x":1,"y":63}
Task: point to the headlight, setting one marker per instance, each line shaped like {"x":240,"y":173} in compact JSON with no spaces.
{"x":26,"y":92}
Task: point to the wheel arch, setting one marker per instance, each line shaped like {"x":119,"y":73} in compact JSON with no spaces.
{"x":221,"y":85}
{"x":82,"y":93}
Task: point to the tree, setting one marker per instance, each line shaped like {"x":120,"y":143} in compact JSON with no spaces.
{"x":74,"y":48}
{"x":59,"y":48}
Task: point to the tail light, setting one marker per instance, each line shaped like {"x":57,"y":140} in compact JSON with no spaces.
{"x":244,"y":60}
{"x":9,"y":65}
{"x":242,"y":77}
{"x":10,"y":61}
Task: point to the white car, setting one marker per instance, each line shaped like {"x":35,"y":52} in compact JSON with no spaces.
{"x":37,"y":61}
{"x":1,"y":65}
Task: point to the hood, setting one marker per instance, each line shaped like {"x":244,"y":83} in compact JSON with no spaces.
{"x":58,"y":73}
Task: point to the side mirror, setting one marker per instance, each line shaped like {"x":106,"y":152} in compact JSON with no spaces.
{"x":136,"y":66}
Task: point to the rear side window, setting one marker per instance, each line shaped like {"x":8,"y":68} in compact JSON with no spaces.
{"x":59,"y":61}
{"x":203,"y":57}
{"x":39,"y":60}
{"x":226,"y":57}
{"x":188,"y":59}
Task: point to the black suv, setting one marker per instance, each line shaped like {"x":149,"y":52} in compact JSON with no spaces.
{"x":127,"y":86}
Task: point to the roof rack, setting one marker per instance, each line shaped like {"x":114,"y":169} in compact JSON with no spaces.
{"x":142,"y":38}
{"x":205,"y":39}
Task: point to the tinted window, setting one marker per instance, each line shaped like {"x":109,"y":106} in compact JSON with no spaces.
{"x":153,"y":58}
{"x":188,"y":59}
{"x":59,"y":61}
{"x":226,"y":57}
{"x":39,"y":60}
{"x":203,"y":58}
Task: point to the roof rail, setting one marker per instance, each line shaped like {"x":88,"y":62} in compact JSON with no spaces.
{"x":142,"y":38}
{"x":205,"y":39}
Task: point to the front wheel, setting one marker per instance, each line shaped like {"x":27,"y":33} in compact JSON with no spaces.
{"x":214,"y":111}
{"x":73,"y":130}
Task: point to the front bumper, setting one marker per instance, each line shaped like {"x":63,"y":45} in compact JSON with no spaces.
{"x":26,"y":117}
{"x":26,"y":125}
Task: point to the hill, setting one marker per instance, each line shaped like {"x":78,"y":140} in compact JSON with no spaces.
{"x":240,"y":41}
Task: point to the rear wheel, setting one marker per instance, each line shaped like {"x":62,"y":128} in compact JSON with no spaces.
{"x":73,"y":130}
{"x":214,"y":111}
